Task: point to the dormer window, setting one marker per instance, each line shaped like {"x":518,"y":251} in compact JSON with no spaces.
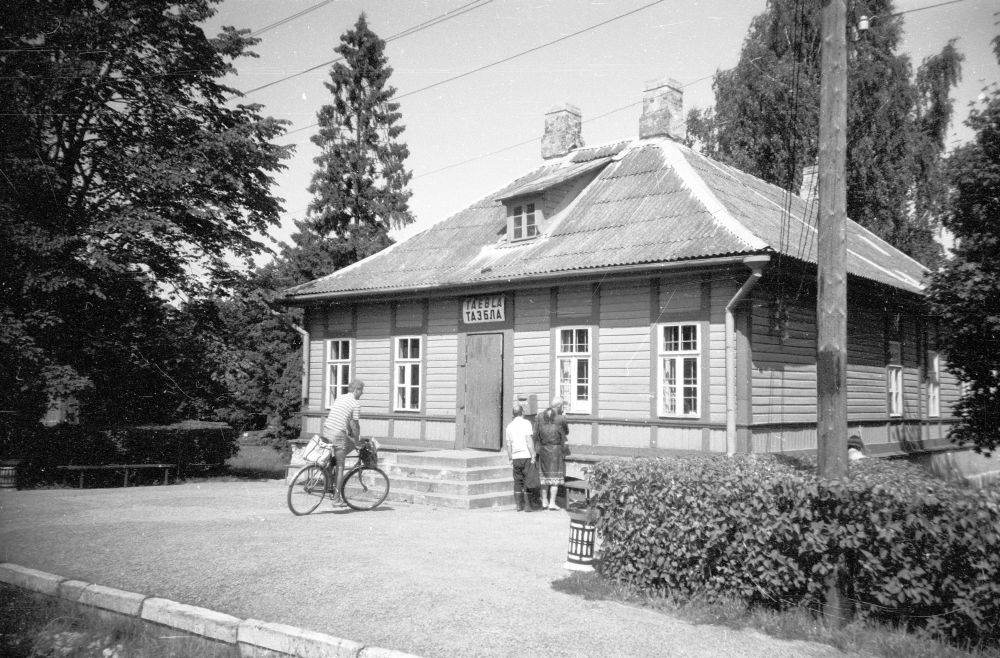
{"x":523,"y":221}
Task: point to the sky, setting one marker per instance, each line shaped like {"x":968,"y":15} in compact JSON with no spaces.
{"x":474,"y":105}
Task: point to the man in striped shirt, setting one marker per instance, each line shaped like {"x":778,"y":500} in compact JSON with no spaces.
{"x":342,"y":426}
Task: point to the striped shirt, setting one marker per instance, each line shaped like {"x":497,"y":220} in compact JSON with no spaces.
{"x":344,"y":408}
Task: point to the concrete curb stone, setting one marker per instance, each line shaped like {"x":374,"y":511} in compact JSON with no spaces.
{"x":199,"y":621}
{"x":290,"y":640}
{"x":115,"y":600}
{"x":254,"y":638}
{"x":72,"y":590}
{"x":31,"y":579}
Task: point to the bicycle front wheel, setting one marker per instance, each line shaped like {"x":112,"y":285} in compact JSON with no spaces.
{"x":365,"y":488}
{"x":307,"y":489}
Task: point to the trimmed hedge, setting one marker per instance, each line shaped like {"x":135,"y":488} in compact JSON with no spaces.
{"x":183,"y":444}
{"x":909,"y":549}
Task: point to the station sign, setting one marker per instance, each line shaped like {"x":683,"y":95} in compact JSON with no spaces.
{"x":484,"y":308}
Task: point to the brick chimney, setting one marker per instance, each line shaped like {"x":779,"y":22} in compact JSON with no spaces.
{"x":562,"y":131}
{"x":662,"y":110}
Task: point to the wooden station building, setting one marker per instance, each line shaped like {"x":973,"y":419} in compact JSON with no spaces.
{"x":668,"y":298}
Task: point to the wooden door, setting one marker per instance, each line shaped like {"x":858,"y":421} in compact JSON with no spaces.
{"x":484,"y":391}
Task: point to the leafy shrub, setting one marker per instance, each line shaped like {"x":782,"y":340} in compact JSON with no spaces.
{"x":906,"y":548}
{"x":182,"y":444}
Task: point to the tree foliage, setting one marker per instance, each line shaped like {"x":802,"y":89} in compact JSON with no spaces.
{"x":359,"y":188}
{"x":126,"y":179}
{"x":359,"y":192}
{"x":766,"y":118}
{"x":966,"y":292}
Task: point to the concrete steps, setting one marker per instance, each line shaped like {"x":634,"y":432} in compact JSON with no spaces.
{"x":459,"y":479}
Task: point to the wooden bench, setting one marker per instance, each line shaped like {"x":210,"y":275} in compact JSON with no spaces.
{"x":127,"y":468}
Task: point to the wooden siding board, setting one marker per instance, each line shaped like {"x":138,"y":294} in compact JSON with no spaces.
{"x":951,"y":392}
{"x":679,"y":438}
{"x":623,"y":436}
{"x":373,"y":352}
{"x":317,"y":373}
{"x":406,"y":429}
{"x":714,"y":332}
{"x":442,"y":357}
{"x":437,"y":431}
{"x":410,"y":315}
{"x":624,"y":349}
{"x":574,"y":301}
{"x":532,"y":344}
{"x":677,"y":295}
{"x":784,"y":367}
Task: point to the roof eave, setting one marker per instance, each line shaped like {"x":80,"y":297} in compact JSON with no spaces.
{"x":717,"y":261}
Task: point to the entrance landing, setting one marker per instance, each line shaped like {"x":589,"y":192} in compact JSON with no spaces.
{"x":461,"y":479}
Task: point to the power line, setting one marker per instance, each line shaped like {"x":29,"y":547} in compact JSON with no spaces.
{"x":531,"y":50}
{"x":448,"y":15}
{"x":910,"y":11}
{"x":509,"y":58}
{"x":291,"y":18}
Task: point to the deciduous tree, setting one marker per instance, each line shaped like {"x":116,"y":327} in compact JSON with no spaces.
{"x":765,"y":119}
{"x":125,"y":178}
{"x":966,"y":291}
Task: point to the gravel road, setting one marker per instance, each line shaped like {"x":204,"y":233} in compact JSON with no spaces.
{"x":428,"y":581}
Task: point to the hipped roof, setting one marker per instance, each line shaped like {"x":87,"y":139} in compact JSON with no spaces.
{"x":653,"y":202}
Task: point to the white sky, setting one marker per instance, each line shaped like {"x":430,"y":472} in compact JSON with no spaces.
{"x":599,"y":71}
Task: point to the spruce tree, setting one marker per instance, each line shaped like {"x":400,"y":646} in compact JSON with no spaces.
{"x":766,"y":118}
{"x":359,"y":193}
{"x":360,"y":186}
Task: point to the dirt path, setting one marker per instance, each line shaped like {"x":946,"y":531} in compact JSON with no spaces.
{"x":432,"y":582}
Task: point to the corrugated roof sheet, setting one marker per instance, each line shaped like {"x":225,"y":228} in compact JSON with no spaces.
{"x":637,"y":210}
{"x":553,"y":178}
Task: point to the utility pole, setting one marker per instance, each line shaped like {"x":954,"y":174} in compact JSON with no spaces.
{"x":831,"y":299}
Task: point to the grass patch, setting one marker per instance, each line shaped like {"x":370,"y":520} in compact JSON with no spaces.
{"x":33,"y":624}
{"x":794,"y":624}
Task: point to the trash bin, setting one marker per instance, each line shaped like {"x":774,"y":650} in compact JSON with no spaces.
{"x":582,"y":536}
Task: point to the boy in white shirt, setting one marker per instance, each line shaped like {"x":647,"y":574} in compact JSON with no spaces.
{"x":520,"y":444}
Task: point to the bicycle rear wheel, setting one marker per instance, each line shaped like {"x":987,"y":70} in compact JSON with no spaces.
{"x":365,"y":488}
{"x":307,"y":490}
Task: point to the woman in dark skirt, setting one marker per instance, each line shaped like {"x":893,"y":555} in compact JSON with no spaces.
{"x":550,"y":437}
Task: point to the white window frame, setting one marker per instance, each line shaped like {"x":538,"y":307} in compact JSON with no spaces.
{"x":675,"y":356}
{"x":407,"y":372}
{"x":578,"y":395}
{"x":933,"y":384}
{"x":894,"y":386}
{"x":520,"y":228}
{"x":338,"y":368}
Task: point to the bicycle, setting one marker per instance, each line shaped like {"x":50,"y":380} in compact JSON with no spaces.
{"x":364,"y":488}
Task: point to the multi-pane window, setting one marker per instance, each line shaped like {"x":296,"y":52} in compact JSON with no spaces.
{"x":408,"y":359}
{"x":894,"y":373}
{"x":680,"y":368}
{"x":338,"y":368}
{"x":894,"y":379}
{"x":573,"y":369}
{"x":523,"y":224}
{"x":933,"y":385}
